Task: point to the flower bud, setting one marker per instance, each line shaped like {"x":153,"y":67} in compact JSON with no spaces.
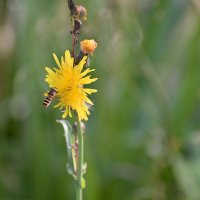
{"x":80,"y":12}
{"x":88,"y":46}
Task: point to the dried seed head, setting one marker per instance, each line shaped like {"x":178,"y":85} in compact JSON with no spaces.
{"x":88,"y":46}
{"x":80,"y":12}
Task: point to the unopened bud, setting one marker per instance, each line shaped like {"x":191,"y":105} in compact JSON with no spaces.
{"x":88,"y":46}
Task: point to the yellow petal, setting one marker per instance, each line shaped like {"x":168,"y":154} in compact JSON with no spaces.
{"x":86,"y":72}
{"x":81,"y":64}
{"x":82,"y":115}
{"x":65,"y":113}
{"x":89,"y":91}
{"x":56,"y":59}
{"x":87,"y":80}
{"x":87,"y":100}
{"x":55,"y":69}
{"x":57,"y":105}
{"x":49,"y":70}
{"x":68,"y":59}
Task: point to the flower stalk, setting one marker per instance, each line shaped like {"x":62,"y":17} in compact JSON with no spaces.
{"x":80,"y":183}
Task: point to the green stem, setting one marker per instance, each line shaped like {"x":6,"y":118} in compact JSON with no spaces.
{"x":80,"y":161}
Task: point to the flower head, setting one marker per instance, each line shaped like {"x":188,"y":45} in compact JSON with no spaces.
{"x":88,"y":46}
{"x":68,"y":81}
{"x":80,"y":12}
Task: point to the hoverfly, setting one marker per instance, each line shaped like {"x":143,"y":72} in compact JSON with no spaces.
{"x":51,"y":94}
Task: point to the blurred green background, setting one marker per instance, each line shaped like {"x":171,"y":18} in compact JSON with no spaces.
{"x":143,"y":136}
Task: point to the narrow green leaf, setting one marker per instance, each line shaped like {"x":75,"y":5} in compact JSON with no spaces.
{"x":68,"y":133}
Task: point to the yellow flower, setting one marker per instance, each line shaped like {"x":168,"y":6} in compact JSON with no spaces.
{"x":69,"y":80}
{"x":88,"y":46}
